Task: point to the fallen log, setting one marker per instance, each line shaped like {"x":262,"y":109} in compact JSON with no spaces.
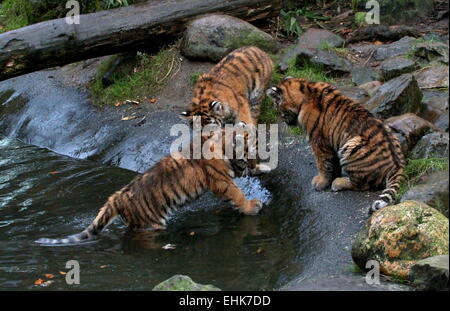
{"x":146,"y":25}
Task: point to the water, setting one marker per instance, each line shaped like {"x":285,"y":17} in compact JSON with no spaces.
{"x":43,"y":194}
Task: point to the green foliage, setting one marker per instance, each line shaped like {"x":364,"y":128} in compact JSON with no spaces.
{"x":194,"y":77}
{"x":360,"y":19}
{"x":309,"y":71}
{"x":415,"y":169}
{"x":15,"y":14}
{"x":269,"y":114}
{"x":290,"y":23}
{"x":108,"y":4}
{"x":134,"y":81}
{"x":296,"y":130}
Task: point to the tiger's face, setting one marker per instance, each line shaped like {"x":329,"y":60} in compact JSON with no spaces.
{"x":288,"y":99}
{"x":208,"y":113}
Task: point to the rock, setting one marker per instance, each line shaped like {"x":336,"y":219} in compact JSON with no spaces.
{"x":371,"y":87}
{"x":183,"y":283}
{"x":396,"y":12}
{"x":432,"y":50}
{"x":409,"y":128}
{"x":436,"y":108}
{"x":381,"y":33}
{"x":400,"y":235}
{"x":329,"y":60}
{"x":442,"y":122}
{"x":362,"y":75}
{"x":433,"y":145}
{"x":432,"y":77}
{"x":214,"y":36}
{"x":397,"y":96}
{"x":397,"y":48}
{"x":433,"y":190}
{"x":359,"y":95}
{"x":430,"y":274}
{"x":311,"y":39}
{"x":396,"y":66}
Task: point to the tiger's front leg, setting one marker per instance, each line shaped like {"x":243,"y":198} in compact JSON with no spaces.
{"x":327,"y":163}
{"x":230,"y":192}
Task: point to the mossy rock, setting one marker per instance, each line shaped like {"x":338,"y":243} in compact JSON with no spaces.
{"x":398,"y":236}
{"x":215,"y":36}
{"x":180,"y":282}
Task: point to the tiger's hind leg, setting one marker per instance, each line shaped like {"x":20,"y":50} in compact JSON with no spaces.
{"x":327,"y":163}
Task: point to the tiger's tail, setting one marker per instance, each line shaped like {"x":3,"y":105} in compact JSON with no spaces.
{"x":388,"y":195}
{"x":105,"y":216}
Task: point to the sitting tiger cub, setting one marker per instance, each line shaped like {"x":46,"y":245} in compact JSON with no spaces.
{"x":344,"y":135}
{"x":149,"y":199}
{"x":233,"y":91}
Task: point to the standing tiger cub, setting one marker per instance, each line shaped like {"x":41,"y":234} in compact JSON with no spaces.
{"x":343,"y":135}
{"x":233,"y":92}
{"x":150,"y":198}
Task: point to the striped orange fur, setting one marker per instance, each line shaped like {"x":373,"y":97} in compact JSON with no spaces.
{"x":150,"y":198}
{"x":344,"y":136}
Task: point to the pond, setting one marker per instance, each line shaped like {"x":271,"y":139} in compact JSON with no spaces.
{"x":43,"y":194}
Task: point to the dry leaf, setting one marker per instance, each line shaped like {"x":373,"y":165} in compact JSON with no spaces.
{"x":47,"y":283}
{"x":169,"y":246}
{"x":54,"y":173}
{"x":62,"y":272}
{"x":39,"y":282}
{"x":192,"y":233}
{"x":378,"y":42}
{"x":259,"y":250}
{"x":117,"y":104}
{"x":128,"y":118}
{"x":153,"y":100}
{"x":103,"y":267}
{"x":49,"y":276}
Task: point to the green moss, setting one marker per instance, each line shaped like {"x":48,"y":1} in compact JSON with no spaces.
{"x":415,"y":169}
{"x":360,"y":19}
{"x":137,"y":80}
{"x":269,"y":114}
{"x":296,"y":130}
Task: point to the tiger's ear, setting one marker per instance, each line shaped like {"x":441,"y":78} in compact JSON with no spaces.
{"x":216,"y":106}
{"x":275,"y":94}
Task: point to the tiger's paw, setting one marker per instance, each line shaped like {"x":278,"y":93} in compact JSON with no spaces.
{"x":378,"y":204}
{"x":254,"y":207}
{"x":341,"y":183}
{"x":320,"y":183}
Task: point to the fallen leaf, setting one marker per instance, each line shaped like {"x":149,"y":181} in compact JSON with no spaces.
{"x":378,"y":42}
{"x":39,"y":282}
{"x":103,"y":267}
{"x":118,"y":104}
{"x":62,"y":272}
{"x":54,"y":173}
{"x":128,"y":118}
{"x":153,"y":100}
{"x":49,"y":276}
{"x":47,"y":283}
{"x":192,"y":233}
{"x":259,"y":250}
{"x":169,"y":246}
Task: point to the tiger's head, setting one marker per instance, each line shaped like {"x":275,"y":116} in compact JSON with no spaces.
{"x":288,"y":99}
{"x":207,"y":105}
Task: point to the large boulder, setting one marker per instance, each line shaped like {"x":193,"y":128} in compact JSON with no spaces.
{"x":433,"y":145}
{"x":409,"y":128}
{"x":214,"y":36}
{"x":400,"y":235}
{"x":396,"y":66}
{"x":357,"y":94}
{"x":430,"y":274}
{"x":436,"y":108}
{"x":432,"y":50}
{"x":311,"y":39}
{"x":432,"y":190}
{"x":180,"y":282}
{"x":396,"y":97}
{"x":397,"y":48}
{"x":432,"y":77}
{"x":363,"y":75}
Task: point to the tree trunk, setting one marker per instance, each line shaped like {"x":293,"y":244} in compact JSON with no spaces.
{"x":56,"y":43}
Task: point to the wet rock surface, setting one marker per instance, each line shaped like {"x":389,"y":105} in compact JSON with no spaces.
{"x":431,"y":274}
{"x":328,"y":60}
{"x":400,"y":235}
{"x":432,"y":190}
{"x":396,"y":97}
{"x":397,"y":48}
{"x":431,"y":51}
{"x":396,"y":66}
{"x":183,"y":283}
{"x":214,"y":36}
{"x":363,"y":75}
{"x":433,"y":145}
{"x":432,"y":77}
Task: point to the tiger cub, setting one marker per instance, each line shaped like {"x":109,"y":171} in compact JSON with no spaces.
{"x":233,"y":91}
{"x":343,"y":135}
{"x":150,"y":198}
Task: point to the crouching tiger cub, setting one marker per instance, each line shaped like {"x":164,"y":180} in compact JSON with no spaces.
{"x":343,"y":135}
{"x":149,"y":199}
{"x":233,"y":91}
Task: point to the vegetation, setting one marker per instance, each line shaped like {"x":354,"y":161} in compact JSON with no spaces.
{"x":194,"y":77}
{"x":415,"y":169}
{"x":135,"y":80}
{"x":20,"y":13}
{"x":309,"y":71}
